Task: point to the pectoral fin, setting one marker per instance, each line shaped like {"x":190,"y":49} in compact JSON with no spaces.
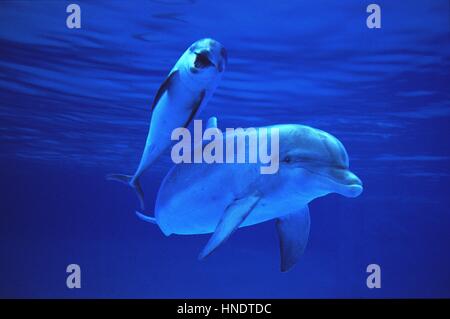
{"x":165,"y":86}
{"x":194,"y":108}
{"x":234,"y":215}
{"x":293,"y":231}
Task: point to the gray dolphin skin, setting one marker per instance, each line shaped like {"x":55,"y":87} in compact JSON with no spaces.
{"x":219,"y":198}
{"x":186,"y":90}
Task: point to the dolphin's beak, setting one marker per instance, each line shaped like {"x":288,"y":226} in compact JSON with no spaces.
{"x":346,"y":183}
{"x":215,"y":61}
{"x":353,"y":185}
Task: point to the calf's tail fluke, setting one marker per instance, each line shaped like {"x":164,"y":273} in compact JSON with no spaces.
{"x":146,"y":218}
{"x":128,"y":180}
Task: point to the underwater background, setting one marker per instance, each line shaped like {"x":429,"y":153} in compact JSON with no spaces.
{"x":74,"y":106}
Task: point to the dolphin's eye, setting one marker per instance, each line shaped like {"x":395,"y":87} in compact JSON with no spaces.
{"x":202,"y":61}
{"x":287,"y":159}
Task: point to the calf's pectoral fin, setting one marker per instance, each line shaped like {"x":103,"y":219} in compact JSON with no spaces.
{"x":194,"y":108}
{"x":293,"y":232}
{"x":234,"y":215}
{"x":165,"y":86}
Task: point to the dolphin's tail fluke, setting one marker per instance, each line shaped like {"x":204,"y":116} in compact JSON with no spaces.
{"x":146,"y":218}
{"x":128,"y":180}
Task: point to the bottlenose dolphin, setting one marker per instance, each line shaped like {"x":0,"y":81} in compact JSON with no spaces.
{"x":183,"y":93}
{"x":219,"y":198}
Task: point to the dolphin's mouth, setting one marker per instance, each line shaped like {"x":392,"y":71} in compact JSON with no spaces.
{"x":345,"y":182}
{"x":351,"y":179}
{"x":202,"y":60}
{"x":348,"y":184}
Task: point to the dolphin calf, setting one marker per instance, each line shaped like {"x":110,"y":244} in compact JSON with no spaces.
{"x":187,"y":89}
{"x":219,"y":198}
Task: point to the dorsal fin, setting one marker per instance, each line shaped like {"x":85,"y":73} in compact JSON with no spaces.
{"x":212,"y":122}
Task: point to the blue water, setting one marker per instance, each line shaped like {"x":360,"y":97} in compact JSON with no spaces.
{"x":74,"y":106}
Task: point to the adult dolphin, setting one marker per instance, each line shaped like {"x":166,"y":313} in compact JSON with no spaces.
{"x":183,"y":93}
{"x":219,"y":198}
